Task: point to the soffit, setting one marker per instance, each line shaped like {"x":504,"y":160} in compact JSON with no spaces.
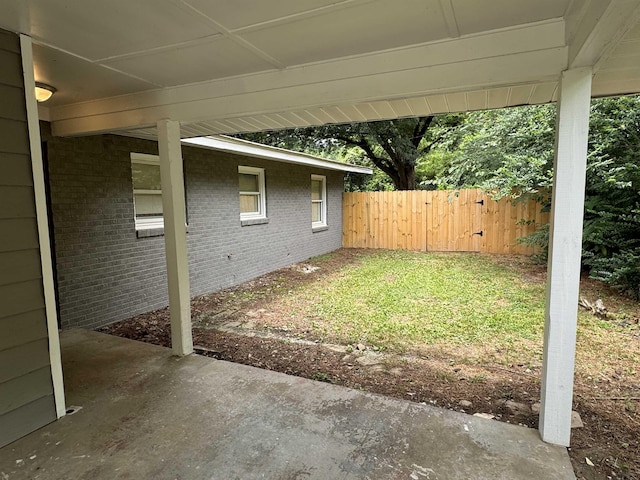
{"x":225,"y":66}
{"x":150,"y":44}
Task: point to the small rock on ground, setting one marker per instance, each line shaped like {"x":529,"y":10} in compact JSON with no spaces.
{"x":576,"y":420}
{"x":465,"y":403}
{"x":336,"y":348}
{"x":231,"y":324}
{"x":368,"y":360}
{"x":489,"y":416}
{"x":517,"y":408}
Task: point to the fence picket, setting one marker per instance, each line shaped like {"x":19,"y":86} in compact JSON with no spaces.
{"x":438,"y":221}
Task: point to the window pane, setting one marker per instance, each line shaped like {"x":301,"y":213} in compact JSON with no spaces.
{"x":145,"y":177}
{"x":316,"y":190}
{"x":249,"y":203}
{"x":316,"y":211}
{"x":148,"y":205}
{"x":248,"y":182}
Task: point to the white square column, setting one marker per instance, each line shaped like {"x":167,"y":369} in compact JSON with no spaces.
{"x":175,"y":235}
{"x":44,"y":235}
{"x":565,"y":248}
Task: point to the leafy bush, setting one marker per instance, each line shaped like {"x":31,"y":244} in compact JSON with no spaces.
{"x":540,"y":239}
{"x":611,"y":240}
{"x":621,"y":270}
{"x":509,"y":152}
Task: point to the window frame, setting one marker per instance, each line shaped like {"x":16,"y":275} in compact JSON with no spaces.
{"x":261,"y":193}
{"x":146,"y":223}
{"x":323,"y":202}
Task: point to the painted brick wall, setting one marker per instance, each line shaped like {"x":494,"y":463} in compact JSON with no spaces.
{"x":105,"y":273}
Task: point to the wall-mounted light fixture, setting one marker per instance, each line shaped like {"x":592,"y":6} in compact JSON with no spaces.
{"x":44,"y":91}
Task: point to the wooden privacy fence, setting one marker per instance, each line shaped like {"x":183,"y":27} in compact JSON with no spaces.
{"x":444,"y":221}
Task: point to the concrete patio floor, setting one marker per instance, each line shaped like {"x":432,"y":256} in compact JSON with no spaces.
{"x":148,"y":415}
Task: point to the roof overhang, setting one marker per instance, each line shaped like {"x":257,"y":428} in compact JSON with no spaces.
{"x":250,"y":149}
{"x":218,"y":68}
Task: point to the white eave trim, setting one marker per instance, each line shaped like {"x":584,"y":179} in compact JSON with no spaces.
{"x":252,"y":149}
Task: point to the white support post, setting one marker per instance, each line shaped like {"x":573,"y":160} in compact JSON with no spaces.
{"x":175,"y":236}
{"x":565,"y":247}
{"x":55,"y":356}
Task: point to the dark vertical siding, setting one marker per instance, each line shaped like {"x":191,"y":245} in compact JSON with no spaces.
{"x":26,"y":390}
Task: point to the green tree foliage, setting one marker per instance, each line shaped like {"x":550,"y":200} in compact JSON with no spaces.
{"x":510,"y":152}
{"x":506,"y":152}
{"x":611,"y":238}
{"x":394,"y":146}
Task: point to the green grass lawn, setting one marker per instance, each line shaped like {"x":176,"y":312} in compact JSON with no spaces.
{"x":395,"y":300}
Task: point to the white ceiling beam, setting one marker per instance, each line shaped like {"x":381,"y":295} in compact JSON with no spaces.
{"x":500,"y":97}
{"x":450,"y":18}
{"x":597,"y":28}
{"x":337,"y":6}
{"x":501,"y":58}
{"x":533,"y":93}
{"x":473,"y":75}
{"x":237,"y":39}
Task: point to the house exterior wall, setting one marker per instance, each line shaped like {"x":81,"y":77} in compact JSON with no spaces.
{"x":106,"y":273}
{"x":26,"y":388}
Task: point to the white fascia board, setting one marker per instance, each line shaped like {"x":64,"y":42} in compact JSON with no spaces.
{"x":500,"y":58}
{"x":251,"y":149}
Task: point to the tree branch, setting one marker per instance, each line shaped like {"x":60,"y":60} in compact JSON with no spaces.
{"x":428,"y":148}
{"x":420,"y":129}
{"x":382,"y":163}
{"x":393,"y":155}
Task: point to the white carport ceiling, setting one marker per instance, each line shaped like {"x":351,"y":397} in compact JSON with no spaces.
{"x":225,"y":66}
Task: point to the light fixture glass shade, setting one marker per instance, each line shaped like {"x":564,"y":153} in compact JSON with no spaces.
{"x":44,"y":91}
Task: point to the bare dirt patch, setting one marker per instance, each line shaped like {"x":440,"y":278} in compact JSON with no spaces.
{"x":247,"y":324}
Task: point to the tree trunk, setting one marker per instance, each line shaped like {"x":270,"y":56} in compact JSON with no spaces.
{"x":405,"y":178}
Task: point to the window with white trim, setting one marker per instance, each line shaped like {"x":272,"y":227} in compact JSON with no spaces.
{"x":252,"y":193}
{"x":318,"y":201}
{"x":147,"y":191}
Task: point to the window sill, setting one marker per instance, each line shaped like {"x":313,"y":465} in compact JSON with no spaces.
{"x":319,"y":228}
{"x":153,"y":232}
{"x":253,"y":221}
{"x":150,"y":232}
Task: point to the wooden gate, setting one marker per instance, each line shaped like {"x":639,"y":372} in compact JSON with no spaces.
{"x":453,"y":221}
{"x":445,"y":221}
